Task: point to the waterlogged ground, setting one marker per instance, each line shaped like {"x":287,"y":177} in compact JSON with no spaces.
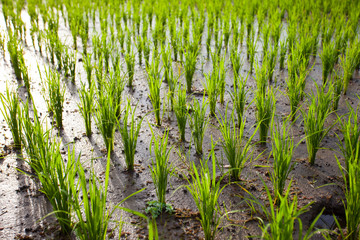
{"x":23,"y":207}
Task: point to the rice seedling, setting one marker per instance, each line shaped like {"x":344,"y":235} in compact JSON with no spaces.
{"x":129,"y":134}
{"x":235,"y":145}
{"x":338,"y":88}
{"x":238,"y":96}
{"x":328,"y":57}
{"x":189,"y":67}
{"x":265,"y":105}
{"x":161,"y":169}
{"x":139,"y":46}
{"x":205,"y":191}
{"x":352,"y":190}
{"x":350,"y":129}
{"x":55,"y":93}
{"x":88,"y":67}
{"x":130,"y":63}
{"x":115,"y":88}
{"x":349,"y":62}
{"x":251,"y":50}
{"x":296,"y":84}
{"x":86,"y":106}
{"x":198,"y":122}
{"x":282,"y":151}
{"x":283,"y":48}
{"x":235,"y":58}
{"x":58,"y":184}
{"x":154,"y":82}
{"x":146,"y":47}
{"x":314,"y":120}
{"x":281,"y":219}
{"x":211,"y":87}
{"x":105,"y":116}
{"x":167,"y":62}
{"x":92,"y":213}
{"x":270,"y":61}
{"x":16,"y":55}
{"x":106,"y":49}
{"x":222,"y":74}
{"x":11,"y":110}
{"x":181,"y":112}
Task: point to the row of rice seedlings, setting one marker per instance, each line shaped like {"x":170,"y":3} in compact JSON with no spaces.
{"x":236,"y":147}
{"x":161,"y":171}
{"x":181,"y":111}
{"x":314,"y":120}
{"x":198,"y":122}
{"x":206,"y":190}
{"x":154,"y":82}
{"x":280,"y":220}
{"x":88,"y":66}
{"x":55,"y":92}
{"x":11,"y":110}
{"x":129,"y":132}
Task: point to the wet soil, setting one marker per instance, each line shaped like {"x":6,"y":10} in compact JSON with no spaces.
{"x":23,"y":206}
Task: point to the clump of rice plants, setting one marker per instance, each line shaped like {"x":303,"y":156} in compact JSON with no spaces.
{"x":56,"y":95}
{"x":350,"y":129}
{"x":349,"y":62}
{"x":338,"y":88}
{"x":314,"y":120}
{"x":88,"y":67}
{"x":265,"y":105}
{"x":166,"y":59}
{"x":161,"y":170}
{"x":205,"y":191}
{"x":236,"y":147}
{"x":105,"y":116}
{"x":58,"y":184}
{"x":239,"y":96}
{"x":282,"y":151}
{"x":198,"y":122}
{"x":11,"y":110}
{"x":181,"y":112}
{"x":130,"y":63}
{"x":129,"y":132}
{"x":283,"y":48}
{"x":93,"y":213}
{"x":190,"y":66}
{"x":296,"y":84}
{"x":280,"y":220}
{"x":212,"y":89}
{"x":16,"y":55}
{"x":154,"y":82}
{"x":352,"y":191}
{"x":86,"y":106}
{"x":328,"y":57}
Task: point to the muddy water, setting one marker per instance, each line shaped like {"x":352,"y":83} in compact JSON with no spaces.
{"x":22,"y":204}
